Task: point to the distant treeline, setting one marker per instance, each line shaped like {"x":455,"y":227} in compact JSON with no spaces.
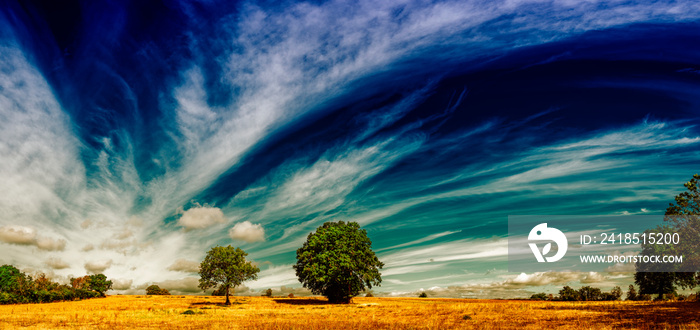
{"x":588,"y":293}
{"x":17,"y":287}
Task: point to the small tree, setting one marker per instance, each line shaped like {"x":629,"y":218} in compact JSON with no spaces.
{"x":567,"y":293}
{"x":423,"y":295}
{"x":632,"y":293}
{"x":99,"y":284}
{"x":337,"y":261}
{"x":268,"y":293}
{"x":226,"y":267}
{"x":616,"y":293}
{"x":588,"y":293}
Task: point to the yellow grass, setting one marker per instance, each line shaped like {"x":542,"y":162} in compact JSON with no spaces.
{"x":165,"y":312}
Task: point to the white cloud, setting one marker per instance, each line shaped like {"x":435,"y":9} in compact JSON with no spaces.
{"x":98,"y":266}
{"x":50,"y":244}
{"x":56,"y":263}
{"x":28,"y":236}
{"x":122,"y":284}
{"x":18,"y":235}
{"x":274,"y":277}
{"x":201,"y":217}
{"x":517,"y":286}
{"x":184,"y":285}
{"x":247,"y":232}
{"x":183,"y":265}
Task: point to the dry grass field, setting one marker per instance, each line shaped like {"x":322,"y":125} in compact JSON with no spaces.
{"x":199,"y":312}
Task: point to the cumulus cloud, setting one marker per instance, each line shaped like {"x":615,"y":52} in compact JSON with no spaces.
{"x":27,"y":236}
{"x":56,"y":263}
{"x":247,"y":232}
{"x":18,"y":235}
{"x":50,"y":244}
{"x":122,"y":284}
{"x":201,"y":217}
{"x":183,"y":265}
{"x":98,"y":266}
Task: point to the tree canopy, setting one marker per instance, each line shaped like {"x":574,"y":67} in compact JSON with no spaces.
{"x":681,"y":217}
{"x":156,"y":290}
{"x":226,"y":267}
{"x":99,"y":284}
{"x":17,"y":287}
{"x":337,"y":261}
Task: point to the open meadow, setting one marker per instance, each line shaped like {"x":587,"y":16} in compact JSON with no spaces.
{"x":202,"y":312}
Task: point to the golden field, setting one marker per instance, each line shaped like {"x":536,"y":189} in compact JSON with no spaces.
{"x":166,"y":312}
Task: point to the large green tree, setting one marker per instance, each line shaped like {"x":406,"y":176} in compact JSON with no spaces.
{"x":682,"y":217}
{"x":226,"y":267}
{"x":337,"y":261}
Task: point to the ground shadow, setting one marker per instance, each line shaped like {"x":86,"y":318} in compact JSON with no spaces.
{"x":208,"y":303}
{"x":298,"y":301}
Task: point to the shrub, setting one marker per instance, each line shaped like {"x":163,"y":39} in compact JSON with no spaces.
{"x":268,"y":293}
{"x":369,"y":295}
{"x":423,"y":295}
{"x":539,"y":296}
{"x":291,"y":295}
{"x":8,"y":298}
{"x":155,"y":290}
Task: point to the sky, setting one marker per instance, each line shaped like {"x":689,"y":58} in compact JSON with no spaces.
{"x":135,"y":136}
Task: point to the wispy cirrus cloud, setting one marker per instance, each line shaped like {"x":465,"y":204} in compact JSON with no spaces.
{"x":281,"y":73}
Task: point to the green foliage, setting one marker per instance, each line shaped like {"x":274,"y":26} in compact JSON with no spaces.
{"x":568,"y":294}
{"x":539,"y":296}
{"x":156,"y":290}
{"x":632,"y":293}
{"x":268,"y":293}
{"x":226,"y":267}
{"x":615,"y":293}
{"x":337,"y":261}
{"x":99,"y":284}
{"x":423,"y":295}
{"x":588,"y":293}
{"x":17,"y":288}
{"x":682,"y":218}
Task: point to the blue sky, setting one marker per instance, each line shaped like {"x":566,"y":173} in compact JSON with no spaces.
{"x":134,"y":136}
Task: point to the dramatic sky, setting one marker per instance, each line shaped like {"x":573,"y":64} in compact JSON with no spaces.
{"x":135,"y":135}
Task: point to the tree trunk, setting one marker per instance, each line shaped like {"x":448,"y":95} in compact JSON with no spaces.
{"x":228,"y":302}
